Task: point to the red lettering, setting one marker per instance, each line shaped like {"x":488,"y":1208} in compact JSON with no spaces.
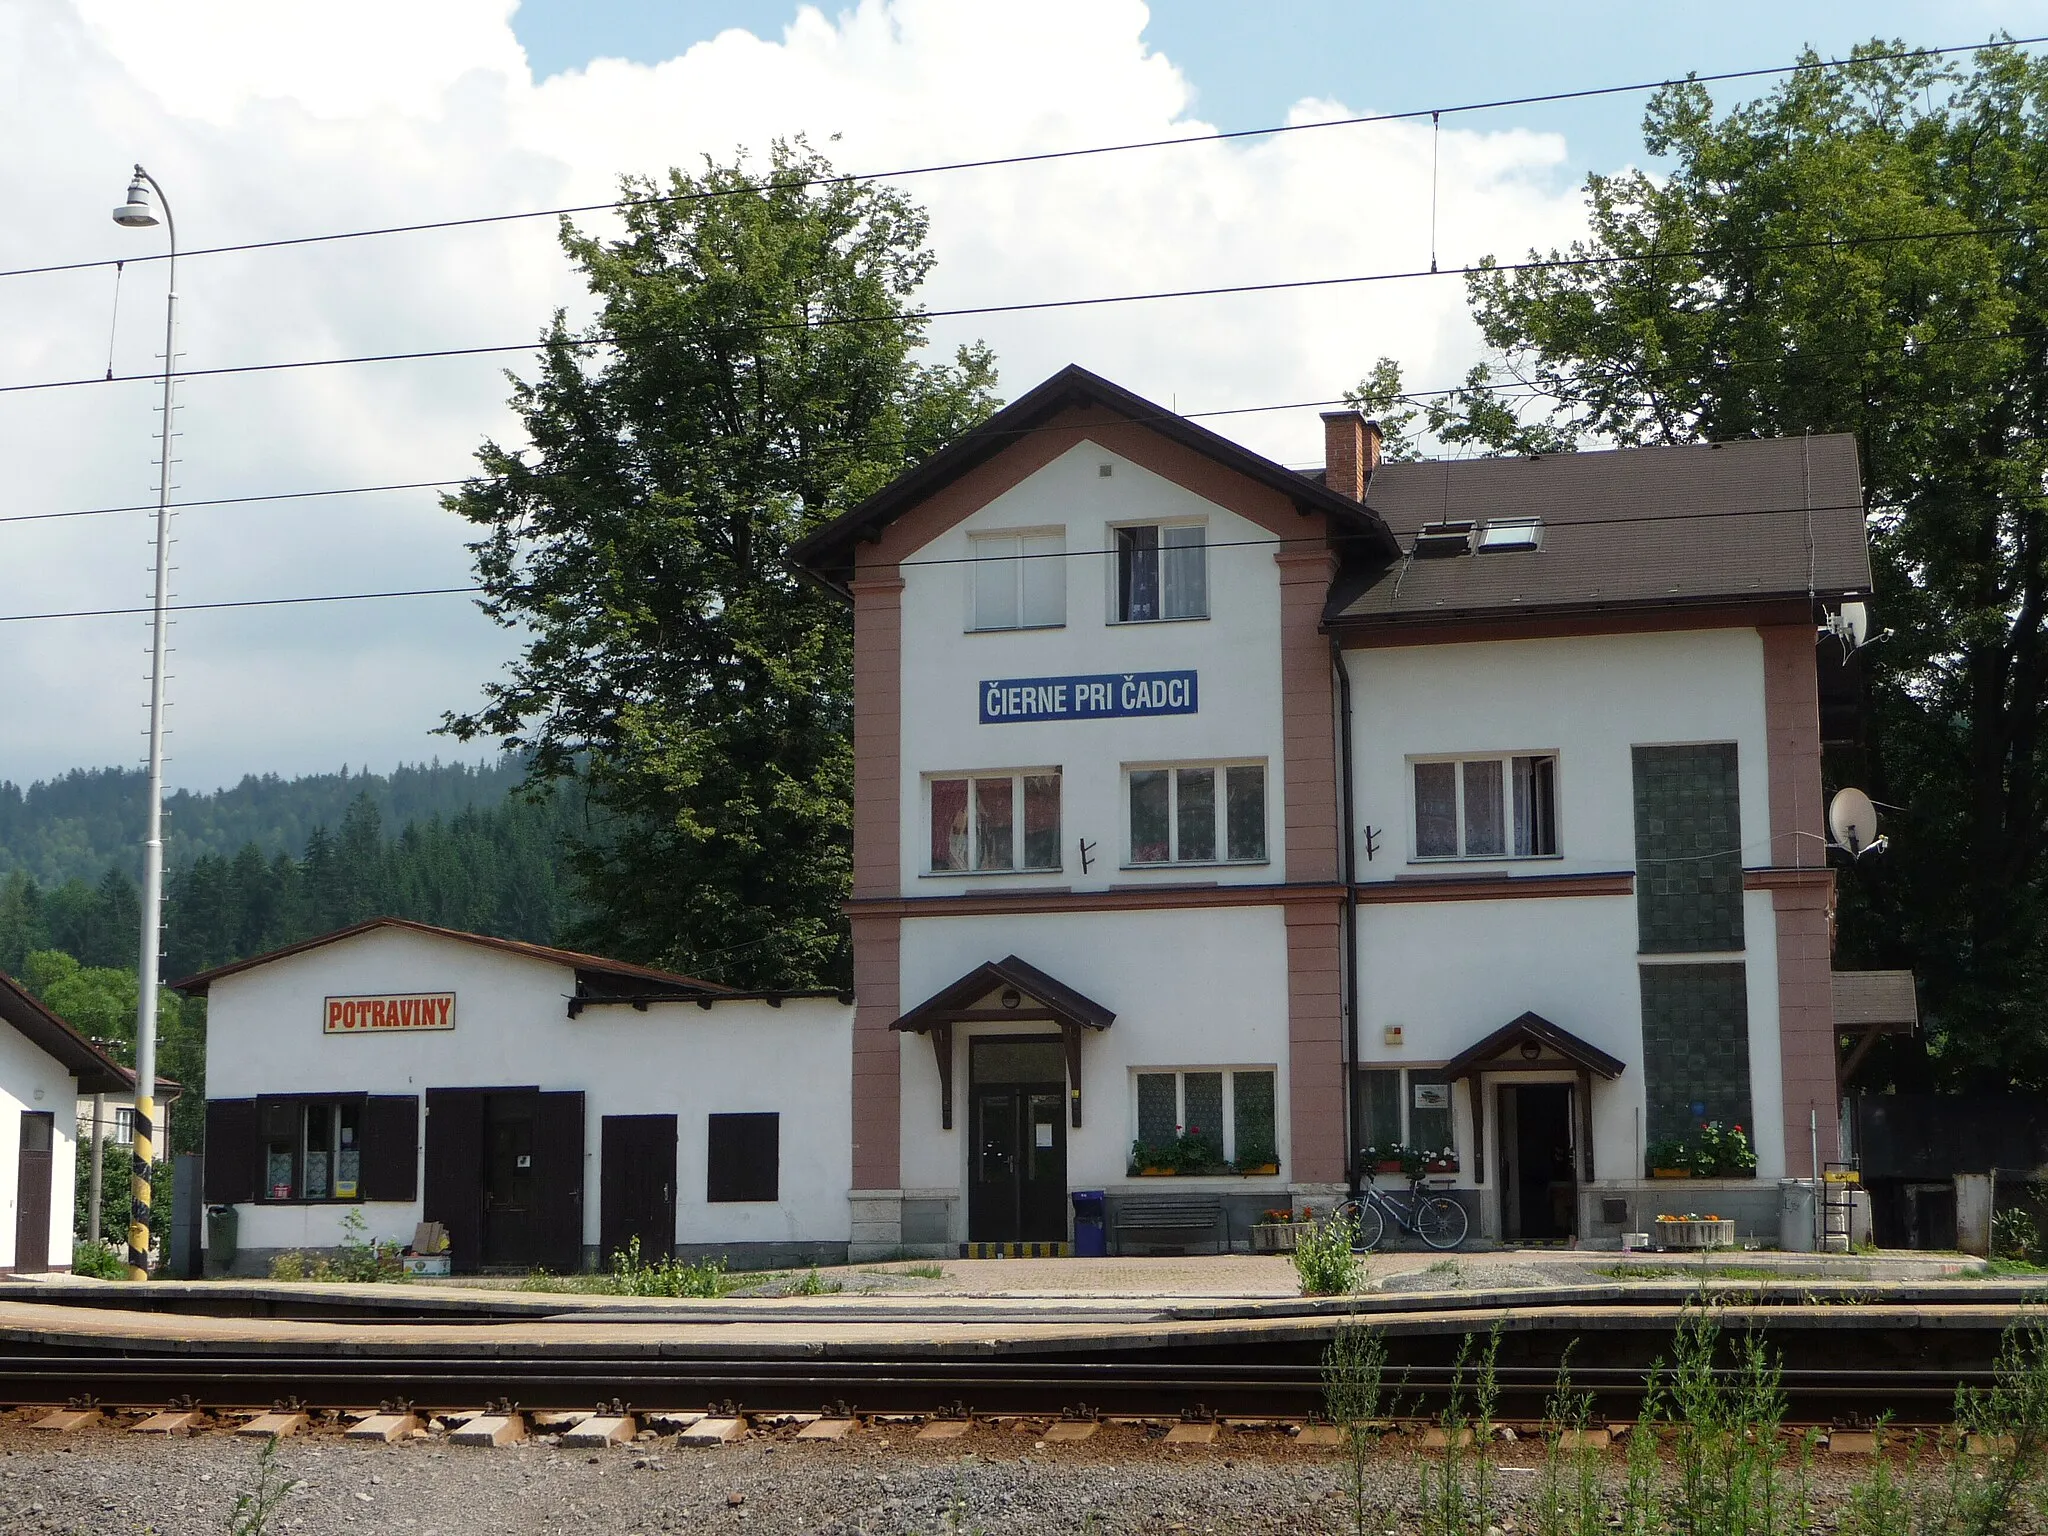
{"x":377,"y":1013}
{"x":348,"y":1015}
{"x":333,"y":1012}
{"x":447,"y":1007}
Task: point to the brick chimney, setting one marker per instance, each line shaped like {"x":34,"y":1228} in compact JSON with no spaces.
{"x":1351,"y":451}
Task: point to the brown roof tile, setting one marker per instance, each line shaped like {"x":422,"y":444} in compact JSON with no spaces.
{"x":1630,"y":527}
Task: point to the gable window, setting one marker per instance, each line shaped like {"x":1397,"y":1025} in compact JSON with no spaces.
{"x":1486,"y":807}
{"x":1162,"y":572}
{"x":1018,"y":580}
{"x":996,"y":822}
{"x":1198,"y":813}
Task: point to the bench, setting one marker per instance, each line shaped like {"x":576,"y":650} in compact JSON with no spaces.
{"x":1171,"y":1213}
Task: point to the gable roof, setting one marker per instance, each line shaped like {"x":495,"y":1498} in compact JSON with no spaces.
{"x":591,"y":970}
{"x":1692,"y":525}
{"x":1057,"y":998}
{"x":1533,"y":1026}
{"x":96,"y":1071}
{"x":828,"y":552}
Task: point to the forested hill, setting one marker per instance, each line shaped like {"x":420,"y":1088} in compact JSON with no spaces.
{"x":77,"y":826}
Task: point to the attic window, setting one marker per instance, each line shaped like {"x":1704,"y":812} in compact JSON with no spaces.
{"x":1511,"y":533}
{"x":1434,"y":541}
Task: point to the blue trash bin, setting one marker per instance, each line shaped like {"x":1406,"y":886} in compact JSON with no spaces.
{"x":1091,"y":1235}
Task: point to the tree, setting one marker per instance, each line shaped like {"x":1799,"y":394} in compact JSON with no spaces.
{"x":750,"y":375}
{"x":1859,"y":251}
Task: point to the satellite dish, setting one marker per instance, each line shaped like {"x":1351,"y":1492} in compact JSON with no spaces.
{"x":1850,"y":624}
{"x":1853,"y":821}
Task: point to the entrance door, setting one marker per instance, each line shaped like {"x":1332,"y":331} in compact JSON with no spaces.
{"x":509,"y":1184}
{"x":637,"y":1185}
{"x":1017,"y":1177}
{"x":1539,"y":1185}
{"x":32,"y":1192}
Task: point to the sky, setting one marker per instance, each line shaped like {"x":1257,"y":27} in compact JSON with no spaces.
{"x":273,"y":119}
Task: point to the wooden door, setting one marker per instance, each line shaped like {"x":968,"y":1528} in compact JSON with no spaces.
{"x":510,"y":1182}
{"x":558,"y":1191}
{"x":637,"y":1185}
{"x":32,"y":1192}
{"x":454,"y":1172}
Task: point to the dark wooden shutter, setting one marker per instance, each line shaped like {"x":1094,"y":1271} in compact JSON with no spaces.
{"x":743,"y":1158}
{"x":558,"y":1181}
{"x":391,"y":1147}
{"x":455,"y":1171}
{"x":230,"y":1151}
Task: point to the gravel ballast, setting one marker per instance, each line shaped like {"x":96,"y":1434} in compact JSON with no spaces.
{"x":879,"y":1482}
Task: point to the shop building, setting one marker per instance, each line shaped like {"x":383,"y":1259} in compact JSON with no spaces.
{"x":45,"y":1065}
{"x":546,"y":1107}
{"x":1220,"y":819}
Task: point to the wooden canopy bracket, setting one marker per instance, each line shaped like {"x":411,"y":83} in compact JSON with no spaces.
{"x":942,"y":1043}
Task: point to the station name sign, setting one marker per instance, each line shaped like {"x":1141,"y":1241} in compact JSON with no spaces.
{"x":1108,"y":696}
{"x":390,"y":1011}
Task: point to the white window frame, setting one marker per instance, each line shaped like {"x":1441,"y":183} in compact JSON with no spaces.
{"x":1172,"y":771}
{"x":1507,"y":771}
{"x":1016,"y":776}
{"x":981,"y":556}
{"x":1113,"y":616}
{"x":1180,"y":1099}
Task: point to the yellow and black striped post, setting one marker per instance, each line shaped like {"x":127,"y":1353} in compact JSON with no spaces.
{"x":139,"y":1192}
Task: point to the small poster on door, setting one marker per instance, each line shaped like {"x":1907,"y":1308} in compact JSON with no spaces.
{"x":1432,"y":1095}
{"x":1044,"y":1130}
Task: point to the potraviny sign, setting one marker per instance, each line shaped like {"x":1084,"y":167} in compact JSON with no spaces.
{"x":1106,"y":696}
{"x":389,"y":1011}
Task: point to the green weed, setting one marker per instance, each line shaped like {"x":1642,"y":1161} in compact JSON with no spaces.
{"x":254,"y":1507}
{"x":1323,"y":1259}
{"x":1354,"y":1372}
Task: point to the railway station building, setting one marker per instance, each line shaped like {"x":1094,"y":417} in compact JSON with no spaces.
{"x":1223,"y":832}
{"x":1219,"y":827}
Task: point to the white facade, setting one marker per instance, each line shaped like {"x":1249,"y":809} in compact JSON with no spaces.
{"x":1236,"y":650}
{"x":32,"y":1082}
{"x":512,"y":1029}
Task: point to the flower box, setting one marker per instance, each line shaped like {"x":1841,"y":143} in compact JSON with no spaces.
{"x":1278,"y":1236}
{"x":1441,"y":1165}
{"x":1387,"y":1165}
{"x":1670,"y":1173}
{"x":1259,"y":1168}
{"x":1695,"y":1233}
{"x":1153,"y":1173}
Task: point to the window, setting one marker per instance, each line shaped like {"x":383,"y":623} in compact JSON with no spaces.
{"x":743,"y":1159}
{"x":1205,"y":813}
{"x":124,"y":1127}
{"x":1486,"y":808}
{"x":1162,"y":572}
{"x":1018,"y":581}
{"x":312,"y":1149}
{"x":1410,"y":1107}
{"x":1505,"y":534}
{"x":1229,"y":1108}
{"x":996,"y":823}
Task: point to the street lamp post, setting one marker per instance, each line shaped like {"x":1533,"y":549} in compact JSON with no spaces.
{"x":136,"y":213}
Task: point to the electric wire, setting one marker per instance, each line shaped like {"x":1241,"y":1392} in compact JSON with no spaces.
{"x":1029,"y":306}
{"x":1586,"y":93}
{"x":940,"y":560}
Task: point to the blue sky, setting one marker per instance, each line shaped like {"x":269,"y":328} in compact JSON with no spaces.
{"x":1249,"y":63}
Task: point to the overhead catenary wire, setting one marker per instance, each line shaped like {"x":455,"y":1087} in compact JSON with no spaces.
{"x":934,"y":560}
{"x":1586,"y":93}
{"x":1028,"y":306}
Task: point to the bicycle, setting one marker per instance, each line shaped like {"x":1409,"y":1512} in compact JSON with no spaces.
{"x":1437,"y":1219}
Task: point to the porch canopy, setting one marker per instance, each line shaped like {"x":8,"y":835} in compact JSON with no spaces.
{"x":1533,"y":1044}
{"x":1006,"y":991}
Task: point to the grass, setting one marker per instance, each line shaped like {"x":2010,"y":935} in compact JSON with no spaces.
{"x":631,"y":1275}
{"x":1710,"y":1453}
{"x":1688,"y":1271}
{"x":2013,"y":1267}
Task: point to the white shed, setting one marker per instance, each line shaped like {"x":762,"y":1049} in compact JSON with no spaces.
{"x":545,"y":1106}
{"x":45,"y":1065}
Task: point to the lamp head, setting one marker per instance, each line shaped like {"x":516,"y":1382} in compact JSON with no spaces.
{"x":136,"y":213}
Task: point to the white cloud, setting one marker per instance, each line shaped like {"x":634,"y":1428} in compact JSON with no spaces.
{"x":267,"y":120}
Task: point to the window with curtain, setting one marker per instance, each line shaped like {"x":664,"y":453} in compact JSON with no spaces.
{"x":1162,"y":572}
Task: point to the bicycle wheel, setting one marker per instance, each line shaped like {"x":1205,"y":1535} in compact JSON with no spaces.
{"x":1367,"y":1225}
{"x":1440,"y":1222}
